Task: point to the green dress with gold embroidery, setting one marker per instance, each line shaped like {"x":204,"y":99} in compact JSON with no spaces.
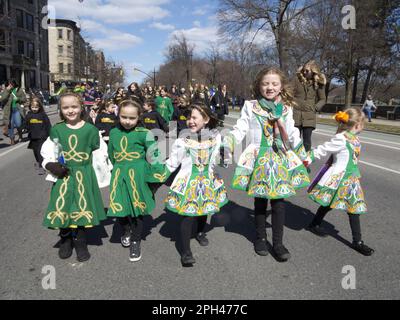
{"x":76,"y":199}
{"x":130,"y":194}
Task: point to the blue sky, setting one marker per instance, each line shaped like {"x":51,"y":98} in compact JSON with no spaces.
{"x":137,"y":32}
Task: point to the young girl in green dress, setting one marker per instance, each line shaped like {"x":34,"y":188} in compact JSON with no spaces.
{"x":75,"y":200}
{"x":339,"y":186}
{"x":131,"y":148}
{"x":197,"y":191}
{"x":270,"y":169}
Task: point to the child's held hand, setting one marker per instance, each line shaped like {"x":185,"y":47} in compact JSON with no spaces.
{"x":57,"y":169}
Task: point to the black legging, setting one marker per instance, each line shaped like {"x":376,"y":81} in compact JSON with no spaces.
{"x":354,"y":220}
{"x":36,"y":145}
{"x":277,"y":220}
{"x":134,"y":225}
{"x":305,"y":133}
{"x":186,"y":230}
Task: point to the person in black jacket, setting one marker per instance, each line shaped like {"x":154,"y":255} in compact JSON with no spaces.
{"x":219,"y":102}
{"x":106,"y":119}
{"x":38,"y":125}
{"x":180,"y":113}
{"x":151,"y":119}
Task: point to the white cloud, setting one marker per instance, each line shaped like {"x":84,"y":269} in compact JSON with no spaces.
{"x":113,"y":12}
{"x":108,"y":38}
{"x":200,"y":37}
{"x":203,"y":10}
{"x":162,"y":26}
{"x":197,"y":23}
{"x":116,"y":41}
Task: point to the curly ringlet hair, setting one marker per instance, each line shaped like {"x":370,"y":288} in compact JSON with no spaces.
{"x":206,"y":112}
{"x":78,"y":97}
{"x":126,"y":103}
{"x":318,"y":78}
{"x":355,"y":116}
{"x":286,"y":91}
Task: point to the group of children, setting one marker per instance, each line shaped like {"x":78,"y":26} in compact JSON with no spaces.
{"x":271,"y":168}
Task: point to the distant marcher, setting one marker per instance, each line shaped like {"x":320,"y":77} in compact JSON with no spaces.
{"x":164,"y":106}
{"x":13,"y":98}
{"x":151,"y":119}
{"x":309,"y":95}
{"x":119,"y":96}
{"x":134,"y":92}
{"x":220,"y":104}
{"x":106,"y":119}
{"x":38,"y":125}
{"x":368,"y":107}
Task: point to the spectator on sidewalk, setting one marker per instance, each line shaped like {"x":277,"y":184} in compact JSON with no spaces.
{"x":13,"y":99}
{"x":309,"y":95}
{"x":368,"y":107}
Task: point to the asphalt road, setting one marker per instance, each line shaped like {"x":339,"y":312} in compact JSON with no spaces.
{"x":228,"y":268}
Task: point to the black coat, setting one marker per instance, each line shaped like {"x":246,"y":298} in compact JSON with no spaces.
{"x":106,"y":122}
{"x":135,"y":95}
{"x":180,"y":116}
{"x":38,"y":126}
{"x":153,"y":120}
{"x":220,"y":103}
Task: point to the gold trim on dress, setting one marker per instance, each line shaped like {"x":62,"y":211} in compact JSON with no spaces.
{"x":82,"y":201}
{"x":137,"y":203}
{"x":60,"y":202}
{"x":115,"y":206}
{"x":124,"y":154}
{"x":72,"y":154}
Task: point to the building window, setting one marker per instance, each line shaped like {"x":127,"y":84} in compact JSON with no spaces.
{"x":69,"y":34}
{"x":61,"y":67}
{"x":69,"y":68}
{"x":32,"y":78}
{"x":29,"y":22}
{"x":69,"y":51}
{"x":31,"y":50}
{"x":20,"y":18}
{"x":60,"y":33}
{"x":2,"y":40}
{"x":30,"y":1}
{"x":2,"y":6}
{"x":60,"y":50}
{"x":21,"y":47}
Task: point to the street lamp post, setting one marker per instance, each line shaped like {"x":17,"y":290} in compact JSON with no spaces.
{"x":154,"y":75}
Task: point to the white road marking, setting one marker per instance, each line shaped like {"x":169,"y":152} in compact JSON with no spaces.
{"x":361,"y":161}
{"x":379,"y":167}
{"x":15,"y":148}
{"x":362,"y":138}
{"x":364,"y":142}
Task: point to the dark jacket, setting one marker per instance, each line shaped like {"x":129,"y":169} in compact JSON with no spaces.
{"x":220,"y":103}
{"x":106,"y":122}
{"x":153,"y":120}
{"x":38,"y":126}
{"x":135,"y":95}
{"x":180,"y":116}
{"x":309,"y":100}
{"x":6,"y":100}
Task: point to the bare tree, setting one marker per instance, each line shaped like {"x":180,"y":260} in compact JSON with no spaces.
{"x":243,"y":17}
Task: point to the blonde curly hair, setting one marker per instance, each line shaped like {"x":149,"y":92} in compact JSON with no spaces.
{"x":318,"y":78}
